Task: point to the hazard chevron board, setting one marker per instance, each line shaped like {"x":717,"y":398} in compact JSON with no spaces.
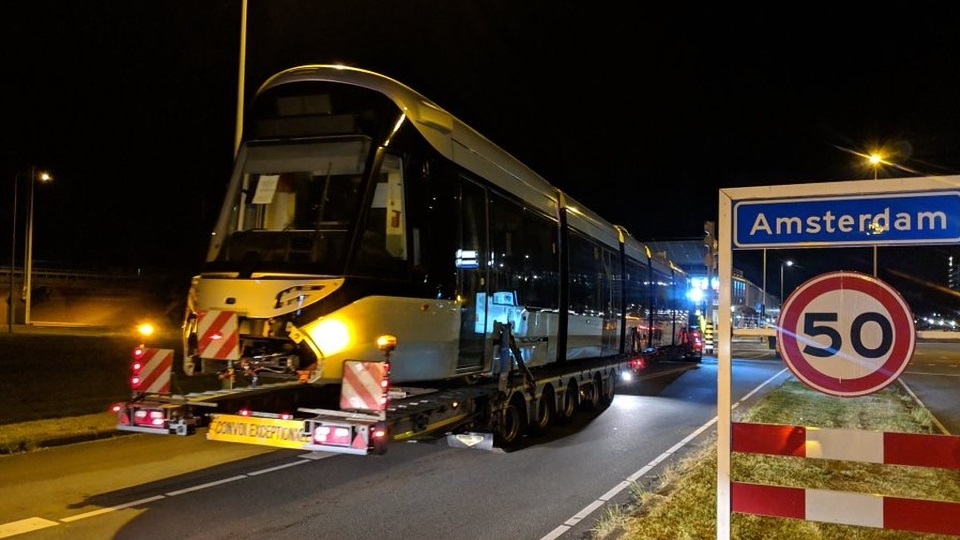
{"x":156,"y":366}
{"x":363,"y":386}
{"x":218,"y":335}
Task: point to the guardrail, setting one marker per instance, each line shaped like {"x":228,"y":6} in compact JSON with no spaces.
{"x":42,"y":274}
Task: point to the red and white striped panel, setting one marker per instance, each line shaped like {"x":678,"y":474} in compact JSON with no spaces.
{"x":362,"y":387}
{"x":156,"y":366}
{"x":218,"y":335}
{"x":845,"y":508}
{"x":919,"y":450}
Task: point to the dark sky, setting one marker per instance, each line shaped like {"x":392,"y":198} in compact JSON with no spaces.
{"x":640,"y":113}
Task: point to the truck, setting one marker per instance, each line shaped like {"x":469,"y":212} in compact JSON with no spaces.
{"x":379,"y":271}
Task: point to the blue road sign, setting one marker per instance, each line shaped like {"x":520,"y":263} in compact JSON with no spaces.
{"x":889,"y":219}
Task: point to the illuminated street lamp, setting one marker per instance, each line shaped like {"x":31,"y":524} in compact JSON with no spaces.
{"x":783,"y":263}
{"x":42,"y":177}
{"x":875,"y":159}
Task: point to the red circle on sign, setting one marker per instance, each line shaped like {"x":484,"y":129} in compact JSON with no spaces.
{"x":791,"y":336}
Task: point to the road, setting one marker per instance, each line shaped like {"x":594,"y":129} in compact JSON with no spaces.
{"x":933,"y":376}
{"x":144,"y":487}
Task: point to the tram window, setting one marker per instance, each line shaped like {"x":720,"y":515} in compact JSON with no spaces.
{"x":384,"y":243}
{"x":585,"y":285}
{"x":523,"y":253}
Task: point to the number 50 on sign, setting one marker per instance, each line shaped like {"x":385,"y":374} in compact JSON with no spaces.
{"x":846,"y":334}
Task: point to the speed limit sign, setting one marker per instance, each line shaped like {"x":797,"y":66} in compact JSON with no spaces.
{"x":846,"y":334}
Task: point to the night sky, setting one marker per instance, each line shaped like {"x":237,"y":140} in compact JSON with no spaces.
{"x":641,"y":114}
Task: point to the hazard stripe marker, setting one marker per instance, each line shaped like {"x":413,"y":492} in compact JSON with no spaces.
{"x":218,"y":335}
{"x":846,"y":508}
{"x":916,"y":449}
{"x":157,"y":365}
{"x":361,"y":389}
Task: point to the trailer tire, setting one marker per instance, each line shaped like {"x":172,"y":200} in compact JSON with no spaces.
{"x":609,"y":391}
{"x":513,"y":422}
{"x":545,"y":412}
{"x":592,"y":393}
{"x":571,"y":402}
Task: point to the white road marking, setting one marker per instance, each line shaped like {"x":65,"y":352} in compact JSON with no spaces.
{"x":24,"y":526}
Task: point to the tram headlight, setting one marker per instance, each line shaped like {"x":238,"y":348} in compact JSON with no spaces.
{"x":331,"y":336}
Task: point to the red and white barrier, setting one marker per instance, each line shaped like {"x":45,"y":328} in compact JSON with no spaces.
{"x":846,"y":508}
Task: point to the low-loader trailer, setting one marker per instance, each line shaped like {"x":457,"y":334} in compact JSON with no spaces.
{"x":370,"y":413}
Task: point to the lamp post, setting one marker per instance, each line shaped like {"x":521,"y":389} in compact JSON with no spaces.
{"x":28,"y":260}
{"x":763,"y":293}
{"x":783,"y":263}
{"x":875,"y":159}
{"x":11,"y":307}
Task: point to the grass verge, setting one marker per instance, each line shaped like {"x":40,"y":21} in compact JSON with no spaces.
{"x":58,"y":388}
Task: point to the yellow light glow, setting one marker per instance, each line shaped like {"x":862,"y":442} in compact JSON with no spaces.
{"x":387,"y":342}
{"x":145,"y":329}
{"x":331,"y":336}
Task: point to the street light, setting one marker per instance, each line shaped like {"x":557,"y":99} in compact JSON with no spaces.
{"x":11,"y":307}
{"x":875,"y":159}
{"x":783,"y":263}
{"x":42,"y":177}
{"x":763,"y":293}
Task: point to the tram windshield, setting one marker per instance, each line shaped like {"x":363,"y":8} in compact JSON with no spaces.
{"x":297,"y":204}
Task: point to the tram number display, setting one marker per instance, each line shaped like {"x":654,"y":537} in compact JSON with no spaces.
{"x":846,"y":334}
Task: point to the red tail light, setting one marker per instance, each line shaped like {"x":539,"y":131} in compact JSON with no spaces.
{"x":332,"y":435}
{"x":148,"y":417}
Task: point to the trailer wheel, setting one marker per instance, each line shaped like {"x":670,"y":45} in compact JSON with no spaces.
{"x":545,"y":412}
{"x":571,"y":402}
{"x":591,"y":393}
{"x":609,"y":391}
{"x":513,"y":422}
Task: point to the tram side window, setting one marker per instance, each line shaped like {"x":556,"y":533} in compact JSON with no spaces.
{"x":586,"y":284}
{"x":663,"y":297}
{"x":636,"y":288}
{"x":541,"y":268}
{"x":523,"y":252}
{"x":611,"y":281}
{"x":436,"y":194}
{"x":383,"y":248}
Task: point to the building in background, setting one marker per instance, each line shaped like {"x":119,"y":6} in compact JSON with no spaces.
{"x":747,"y":298}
